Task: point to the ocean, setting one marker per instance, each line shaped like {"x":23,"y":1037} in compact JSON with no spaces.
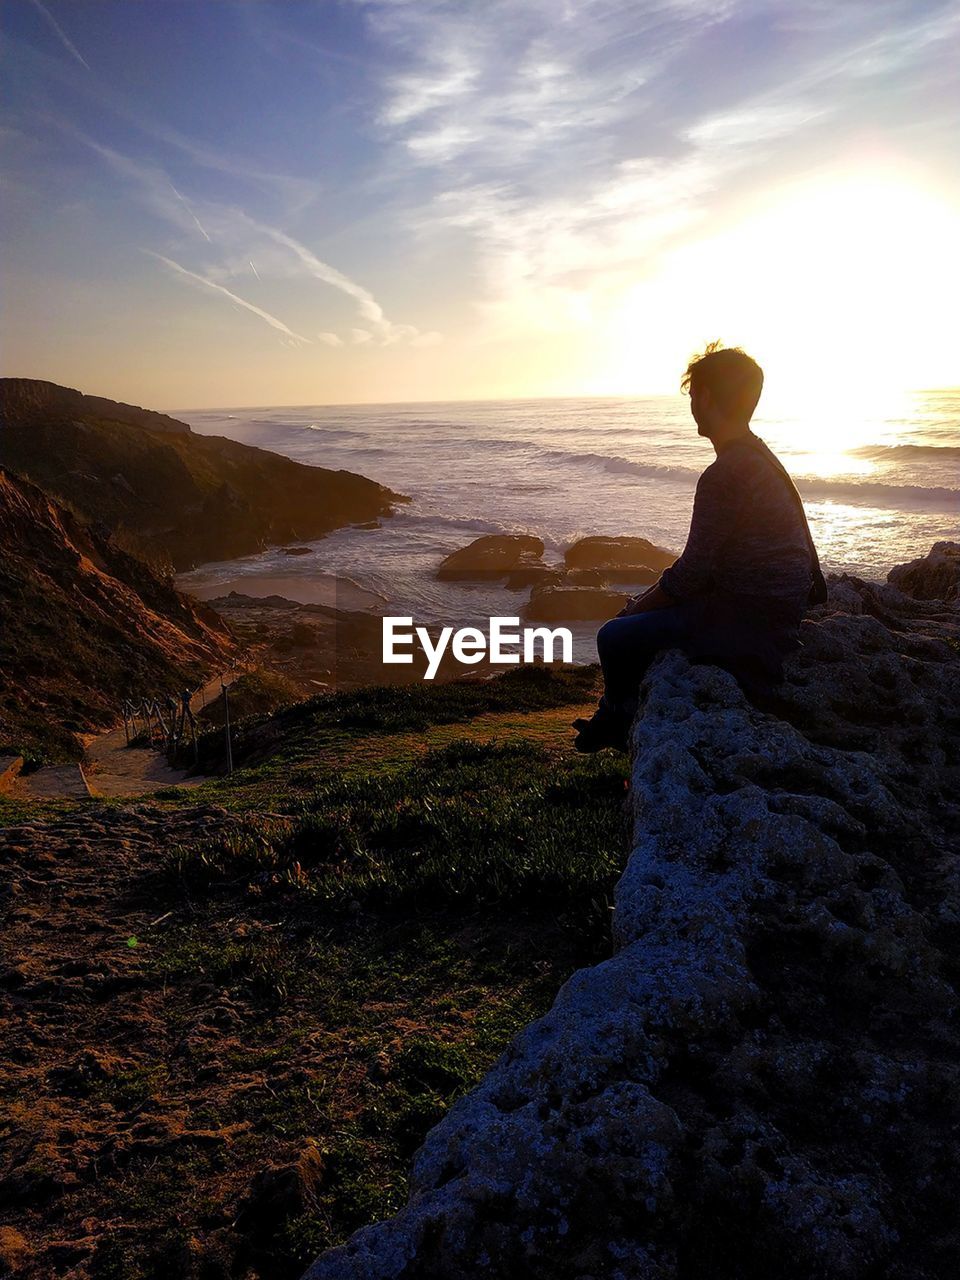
{"x":878,"y":490}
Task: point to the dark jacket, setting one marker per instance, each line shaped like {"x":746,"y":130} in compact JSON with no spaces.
{"x":749,"y":568}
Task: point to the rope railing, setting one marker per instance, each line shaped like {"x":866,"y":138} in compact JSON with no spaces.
{"x":167,"y":722}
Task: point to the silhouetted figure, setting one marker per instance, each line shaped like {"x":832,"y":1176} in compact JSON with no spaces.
{"x":747,"y":573}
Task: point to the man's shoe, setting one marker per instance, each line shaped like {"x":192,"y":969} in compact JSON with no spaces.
{"x":602,"y":731}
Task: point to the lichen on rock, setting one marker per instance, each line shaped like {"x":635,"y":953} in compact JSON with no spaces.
{"x":764,"y":1077}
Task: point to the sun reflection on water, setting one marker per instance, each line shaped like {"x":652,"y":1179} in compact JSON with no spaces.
{"x":820,"y":434}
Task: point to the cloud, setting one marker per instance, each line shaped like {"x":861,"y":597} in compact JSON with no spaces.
{"x":192,"y":214}
{"x":240,"y":302}
{"x":152,"y":184}
{"x":567,"y":144}
{"x":751,"y":125}
{"x":233,"y":229}
{"x":330,"y":339}
{"x":379,"y":329}
{"x":67,"y":42}
{"x":294,"y":192}
{"x":415,"y":94}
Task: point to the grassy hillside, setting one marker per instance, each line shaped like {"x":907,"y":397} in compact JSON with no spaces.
{"x":164,"y":490}
{"x":83,"y":626}
{"x":294,"y":972}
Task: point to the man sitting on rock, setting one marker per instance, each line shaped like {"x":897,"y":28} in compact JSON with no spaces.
{"x":749,"y":569}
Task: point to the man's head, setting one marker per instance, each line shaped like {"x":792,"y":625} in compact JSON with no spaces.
{"x":724,"y":385}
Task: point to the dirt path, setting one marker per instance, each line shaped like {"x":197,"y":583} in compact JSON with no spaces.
{"x":114,"y":769}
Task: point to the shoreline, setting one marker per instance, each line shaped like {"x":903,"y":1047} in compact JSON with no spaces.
{"x":331,"y":590}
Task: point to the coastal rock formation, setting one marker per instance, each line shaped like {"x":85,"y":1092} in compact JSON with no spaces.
{"x":763,"y":1078}
{"x":620,"y":559}
{"x":591,"y":562}
{"x":164,"y":491}
{"x":573,"y":604}
{"x":935,"y":576}
{"x":534,"y":574}
{"x":85,"y":625}
{"x":495,"y":555}
{"x":31,"y":402}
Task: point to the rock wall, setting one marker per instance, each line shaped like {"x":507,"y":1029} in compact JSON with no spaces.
{"x":763,"y":1078}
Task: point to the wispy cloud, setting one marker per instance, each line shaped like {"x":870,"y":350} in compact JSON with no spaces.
{"x":237,"y":231}
{"x":199,"y":225}
{"x":574,"y":141}
{"x":379,"y":329}
{"x":64,"y":38}
{"x":151,"y":183}
{"x":272,"y":321}
{"x":292,"y":192}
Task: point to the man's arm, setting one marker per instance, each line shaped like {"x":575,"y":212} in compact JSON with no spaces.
{"x":711,"y":523}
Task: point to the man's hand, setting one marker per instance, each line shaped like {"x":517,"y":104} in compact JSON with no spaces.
{"x":653,"y":598}
{"x":631,"y":607}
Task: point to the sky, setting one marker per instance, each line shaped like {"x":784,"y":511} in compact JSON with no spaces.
{"x":277,"y":202}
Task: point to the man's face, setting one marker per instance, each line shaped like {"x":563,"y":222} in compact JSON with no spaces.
{"x":700,"y":408}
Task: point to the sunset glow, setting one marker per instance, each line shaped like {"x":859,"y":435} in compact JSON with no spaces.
{"x":843,"y":287}
{"x":432,"y":201}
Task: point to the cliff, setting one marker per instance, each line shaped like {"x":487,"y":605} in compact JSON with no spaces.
{"x":763,"y":1077}
{"x":164,"y":490}
{"x":84,"y":625}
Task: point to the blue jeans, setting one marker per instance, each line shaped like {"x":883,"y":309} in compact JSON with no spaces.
{"x":727,"y":633}
{"x":627,"y":646}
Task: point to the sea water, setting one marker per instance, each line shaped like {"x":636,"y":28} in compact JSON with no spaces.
{"x":878,"y":490}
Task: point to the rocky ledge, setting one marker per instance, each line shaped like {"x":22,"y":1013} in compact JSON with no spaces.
{"x":764,"y":1077}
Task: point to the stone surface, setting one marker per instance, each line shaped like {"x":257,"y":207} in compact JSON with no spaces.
{"x":535,"y":574}
{"x":624,"y":554}
{"x":935,"y":576}
{"x":764,"y":1077}
{"x":572,"y":604}
{"x":490,"y":557}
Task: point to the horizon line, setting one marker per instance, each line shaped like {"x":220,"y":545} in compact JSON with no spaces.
{"x":386,"y":404}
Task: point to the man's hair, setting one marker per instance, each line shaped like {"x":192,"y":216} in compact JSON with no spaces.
{"x":733,"y":379}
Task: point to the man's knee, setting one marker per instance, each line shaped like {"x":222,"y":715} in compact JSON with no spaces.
{"x":605,"y":636}
{"x":614,"y":639}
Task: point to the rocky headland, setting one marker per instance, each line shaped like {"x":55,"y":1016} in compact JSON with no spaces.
{"x":164,"y":491}
{"x":84,"y":626}
{"x":764,"y":1076}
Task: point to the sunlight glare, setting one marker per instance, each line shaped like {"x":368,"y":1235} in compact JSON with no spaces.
{"x":844,"y":289}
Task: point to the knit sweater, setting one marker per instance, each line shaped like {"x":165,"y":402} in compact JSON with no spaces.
{"x":747,"y":537}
